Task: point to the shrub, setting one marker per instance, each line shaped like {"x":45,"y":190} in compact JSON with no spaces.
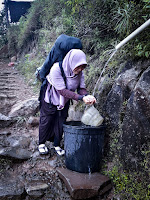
{"x":3,"y":29}
{"x":12,"y":35}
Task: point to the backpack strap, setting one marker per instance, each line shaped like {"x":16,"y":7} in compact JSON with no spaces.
{"x":62,"y":72}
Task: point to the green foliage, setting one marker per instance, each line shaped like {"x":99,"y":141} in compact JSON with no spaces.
{"x":50,"y":10}
{"x":12,"y":36}
{"x":96,"y":22}
{"x":3,"y":29}
{"x":129,"y":185}
{"x":122,"y":17}
{"x":142,"y":49}
{"x":29,"y":25}
{"x":28,"y":67}
{"x":68,"y":22}
{"x":126,"y":19}
{"x":75,"y":5}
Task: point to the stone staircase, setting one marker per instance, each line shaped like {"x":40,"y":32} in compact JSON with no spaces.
{"x":11,"y":87}
{"x":8,"y":85}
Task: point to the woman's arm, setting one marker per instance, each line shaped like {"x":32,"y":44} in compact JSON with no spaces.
{"x":71,"y":95}
{"x":89,"y":99}
{"x":82,"y":91}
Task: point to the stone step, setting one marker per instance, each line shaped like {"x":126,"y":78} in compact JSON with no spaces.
{"x":5,"y":109}
{"x":11,"y":188}
{"x":84,"y":186}
{"x":7,"y":77}
{"x":4,"y":81}
{"x":6,"y":84}
{"x":7,"y":92}
{"x":4,"y":74}
{"x":7,"y":102}
{"x":7,"y":73}
{"x":4,"y":96}
{"x":15,"y":73}
{"x":9,"y":88}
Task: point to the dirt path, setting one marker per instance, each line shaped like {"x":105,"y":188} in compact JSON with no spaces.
{"x":12,"y":87}
{"x":37,"y":170}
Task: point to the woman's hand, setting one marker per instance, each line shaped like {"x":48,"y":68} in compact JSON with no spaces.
{"x":89,"y":99}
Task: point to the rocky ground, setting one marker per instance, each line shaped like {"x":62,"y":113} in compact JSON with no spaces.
{"x":25,"y":174}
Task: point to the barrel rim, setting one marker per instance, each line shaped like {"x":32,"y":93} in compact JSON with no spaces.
{"x":67,"y":125}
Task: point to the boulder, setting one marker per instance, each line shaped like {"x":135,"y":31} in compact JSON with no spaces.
{"x":18,"y":141}
{"x":15,"y":147}
{"x":5,"y":133}
{"x":33,"y":121}
{"x":136,"y":123}
{"x":5,"y":121}
{"x":15,"y":153}
{"x":13,"y":59}
{"x":11,"y":188}
{"x":36,"y":189}
{"x":25,"y":108}
{"x":120,"y":93}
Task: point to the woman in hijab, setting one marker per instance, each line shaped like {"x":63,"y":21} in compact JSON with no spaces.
{"x":55,"y":99}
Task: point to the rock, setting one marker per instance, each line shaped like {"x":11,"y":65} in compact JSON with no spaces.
{"x":33,"y":121}
{"x":15,"y":153}
{"x":11,"y":188}
{"x":13,"y":59}
{"x":103,"y":88}
{"x":113,"y":105}
{"x":52,"y":163}
{"x":25,"y":108}
{"x":15,"y":147}
{"x":120,"y":92}
{"x":36,"y":189}
{"x":18,"y":141}
{"x":5,"y":121}
{"x":5,"y":133}
{"x":83,"y":186}
{"x":136,"y":123}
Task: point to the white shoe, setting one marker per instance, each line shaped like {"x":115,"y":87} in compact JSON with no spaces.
{"x":43,"y":149}
{"x":59,"y":151}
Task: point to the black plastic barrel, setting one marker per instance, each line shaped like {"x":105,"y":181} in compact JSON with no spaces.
{"x":83,"y":146}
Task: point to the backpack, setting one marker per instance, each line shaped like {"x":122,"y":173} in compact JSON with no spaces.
{"x":62,"y":46}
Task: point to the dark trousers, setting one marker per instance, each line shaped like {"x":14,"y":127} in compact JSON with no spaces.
{"x":51,"y":122}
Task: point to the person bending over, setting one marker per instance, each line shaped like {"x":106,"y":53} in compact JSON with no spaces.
{"x":56,"y":98}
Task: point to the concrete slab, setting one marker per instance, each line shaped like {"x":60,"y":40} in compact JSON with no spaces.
{"x":83,"y":186}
